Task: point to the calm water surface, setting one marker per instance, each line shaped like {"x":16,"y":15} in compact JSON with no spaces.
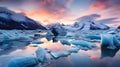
{"x":96,"y":57}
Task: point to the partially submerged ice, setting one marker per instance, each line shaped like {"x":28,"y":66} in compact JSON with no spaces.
{"x":23,"y":62}
{"x":65,"y":42}
{"x":73,"y":49}
{"x":49,"y":33}
{"x":57,"y":29}
{"x":83,"y":43}
{"x":97,"y":37}
{"x":112,"y":32}
{"x":37,"y":42}
{"x":41,"y":54}
{"x":59,"y":54}
{"x":109,"y":41}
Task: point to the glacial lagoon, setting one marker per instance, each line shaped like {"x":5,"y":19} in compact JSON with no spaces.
{"x":59,"y":53}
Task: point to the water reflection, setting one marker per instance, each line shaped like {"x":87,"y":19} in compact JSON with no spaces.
{"x":89,"y":58}
{"x":108,"y":52}
{"x":54,"y":46}
{"x":53,"y":38}
{"x":12,"y":46}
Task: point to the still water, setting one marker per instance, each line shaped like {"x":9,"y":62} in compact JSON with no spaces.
{"x":96,"y":57}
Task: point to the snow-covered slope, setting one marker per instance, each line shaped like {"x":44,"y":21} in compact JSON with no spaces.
{"x":12,"y":20}
{"x":87,"y":23}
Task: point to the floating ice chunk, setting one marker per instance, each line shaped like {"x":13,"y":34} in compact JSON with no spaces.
{"x":93,"y":37}
{"x":15,"y":35}
{"x":84,"y":48}
{"x":65,"y":42}
{"x":48,"y":50}
{"x":23,"y":62}
{"x":109,"y":41}
{"x":6,"y":46}
{"x":69,"y":36}
{"x":49,"y":33}
{"x":83,"y":43}
{"x":37,"y":42}
{"x":112,"y":32}
{"x":59,"y":54}
{"x":57,"y":29}
{"x":73,"y":49}
{"x":41,"y":54}
{"x":48,"y":58}
{"x":34,"y":45}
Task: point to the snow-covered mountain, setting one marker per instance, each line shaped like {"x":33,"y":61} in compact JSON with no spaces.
{"x":87,"y":23}
{"x":12,"y":20}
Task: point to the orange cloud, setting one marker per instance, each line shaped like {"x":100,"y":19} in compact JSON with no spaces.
{"x":98,"y":5}
{"x":45,"y":17}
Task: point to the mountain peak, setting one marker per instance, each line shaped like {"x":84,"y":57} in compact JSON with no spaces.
{"x":11,"y":20}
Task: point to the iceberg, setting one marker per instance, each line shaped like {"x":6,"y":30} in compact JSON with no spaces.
{"x":47,"y":50}
{"x":37,"y":42}
{"x":83,"y":43}
{"x":6,"y":46}
{"x":73,"y":49}
{"x":41,"y":54}
{"x":49,"y":38}
{"x":49,"y":33}
{"x":57,"y":29}
{"x":59,"y":54}
{"x":112,"y":32}
{"x":69,"y":36}
{"x":65,"y":42}
{"x":93,"y":37}
{"x":23,"y":62}
{"x":109,"y":41}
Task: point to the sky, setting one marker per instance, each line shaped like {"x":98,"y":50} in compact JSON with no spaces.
{"x":66,"y":11}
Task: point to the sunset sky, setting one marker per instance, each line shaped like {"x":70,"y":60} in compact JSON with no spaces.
{"x":66,"y":11}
